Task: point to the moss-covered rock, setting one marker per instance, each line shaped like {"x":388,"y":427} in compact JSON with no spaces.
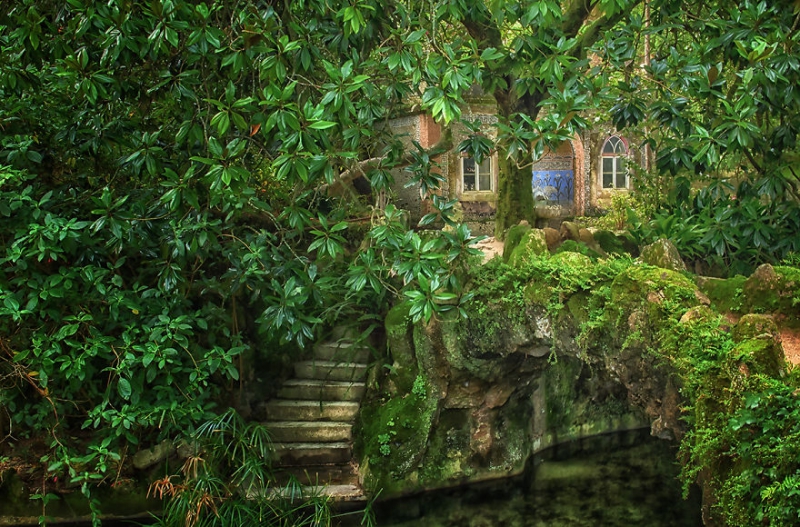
{"x":513,"y":238}
{"x":773,"y":290}
{"x":532,"y":245}
{"x":572,"y":258}
{"x":726,"y":294}
{"x":663,"y":253}
{"x":758,"y":345}
{"x":698,"y":313}
{"x":552,"y":237}
{"x":570,"y":231}
{"x":399,"y":344}
{"x":643,"y":294}
{"x":769,"y":289}
{"x":393,"y":440}
{"x":571,"y":246}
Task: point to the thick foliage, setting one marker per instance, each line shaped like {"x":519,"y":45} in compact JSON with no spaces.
{"x":726,"y":232}
{"x":744,"y":428}
{"x":161,"y":213}
{"x":224,"y":481}
{"x":718,"y":99}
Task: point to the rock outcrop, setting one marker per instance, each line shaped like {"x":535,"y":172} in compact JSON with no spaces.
{"x":580,"y":349}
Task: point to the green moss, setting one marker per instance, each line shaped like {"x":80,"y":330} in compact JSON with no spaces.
{"x":560,"y":379}
{"x":773,"y":290}
{"x":754,"y":326}
{"x":513,"y":434}
{"x":393,"y":440}
{"x":532,"y":246}
{"x":513,"y":238}
{"x":574,"y":259}
{"x":398,"y":319}
{"x":448,"y":450}
{"x":641,"y":284}
{"x":761,"y":355}
{"x":537,"y":294}
{"x":578,"y":307}
{"x":757,"y":345}
{"x":726,"y":295}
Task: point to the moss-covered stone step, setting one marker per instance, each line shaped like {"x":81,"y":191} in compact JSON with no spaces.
{"x":280,"y":410}
{"x":330,"y":370}
{"x":313,"y":475}
{"x":319,"y":390}
{"x":313,"y":453}
{"x":310,"y":431}
{"x":342,"y":351}
{"x":338,"y":493}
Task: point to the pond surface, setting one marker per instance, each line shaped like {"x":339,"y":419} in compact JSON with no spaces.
{"x":591,"y":484}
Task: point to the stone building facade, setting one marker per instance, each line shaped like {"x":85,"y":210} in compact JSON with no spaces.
{"x":576,"y":179}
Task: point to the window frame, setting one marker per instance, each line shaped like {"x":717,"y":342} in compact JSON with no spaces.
{"x":615,"y":156}
{"x":492,"y":183}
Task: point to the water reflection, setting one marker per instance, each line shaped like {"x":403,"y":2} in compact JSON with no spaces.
{"x":583,"y":485}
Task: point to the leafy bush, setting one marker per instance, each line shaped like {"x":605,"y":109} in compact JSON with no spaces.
{"x":731,"y":229}
{"x":162,"y":214}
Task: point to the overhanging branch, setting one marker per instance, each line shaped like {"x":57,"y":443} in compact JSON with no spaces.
{"x":360,"y":168}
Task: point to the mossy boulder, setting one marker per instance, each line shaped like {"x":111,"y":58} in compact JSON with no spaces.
{"x":513,"y":237}
{"x":770,"y":289}
{"x":773,"y":290}
{"x":392,"y":440}
{"x":758,"y":345}
{"x":573,"y":258}
{"x":645,"y":283}
{"x":552,"y":237}
{"x":570,"y":231}
{"x":698,"y":313}
{"x":663,"y":253}
{"x":571,"y":246}
{"x":726,"y":294}
{"x":643,"y":295}
{"x":532,"y":245}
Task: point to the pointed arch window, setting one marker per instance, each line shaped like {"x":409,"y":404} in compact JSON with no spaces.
{"x":614,"y":163}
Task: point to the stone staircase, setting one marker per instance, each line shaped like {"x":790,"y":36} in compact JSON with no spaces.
{"x":311,"y":420}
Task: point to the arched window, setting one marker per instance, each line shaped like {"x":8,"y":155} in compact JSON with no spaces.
{"x":614,"y":163}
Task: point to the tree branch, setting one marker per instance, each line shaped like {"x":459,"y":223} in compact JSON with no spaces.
{"x":594,"y":30}
{"x":360,"y":168}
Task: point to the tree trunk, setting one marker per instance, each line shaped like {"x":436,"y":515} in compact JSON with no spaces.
{"x":514,"y":197}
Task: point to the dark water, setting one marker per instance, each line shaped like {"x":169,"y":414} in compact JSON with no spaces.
{"x":595,"y":484}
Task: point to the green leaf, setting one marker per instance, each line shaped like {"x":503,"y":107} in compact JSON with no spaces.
{"x":124,"y":388}
{"x":322,"y":125}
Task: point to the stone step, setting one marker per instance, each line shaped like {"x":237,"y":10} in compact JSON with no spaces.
{"x":329,"y":370}
{"x":316,"y":390}
{"x":337,"y":493}
{"x":313,"y":475}
{"x":344,"y":332}
{"x":309,"y":431}
{"x":280,"y":410}
{"x":342,"y":351}
{"x":295,"y":454}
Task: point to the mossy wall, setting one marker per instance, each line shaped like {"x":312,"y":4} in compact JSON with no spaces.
{"x":558,"y":349}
